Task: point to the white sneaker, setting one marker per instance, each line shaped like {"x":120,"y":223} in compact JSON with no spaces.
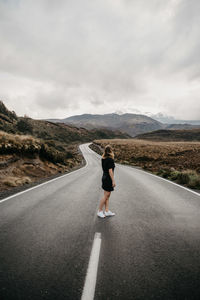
{"x":109,"y":213}
{"x":100,"y":214}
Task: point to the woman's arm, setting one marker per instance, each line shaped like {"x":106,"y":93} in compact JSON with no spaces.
{"x":112,"y":177}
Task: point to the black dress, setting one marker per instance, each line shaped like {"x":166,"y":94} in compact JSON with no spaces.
{"x":107,"y":163}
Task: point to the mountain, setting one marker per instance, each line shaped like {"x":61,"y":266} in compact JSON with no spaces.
{"x":171,"y":135}
{"x":46,"y":130}
{"x":171,"y":120}
{"x":132,"y":124}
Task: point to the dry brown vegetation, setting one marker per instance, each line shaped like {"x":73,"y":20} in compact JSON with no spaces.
{"x":171,"y":134}
{"x":178,"y":161}
{"x":25,"y":159}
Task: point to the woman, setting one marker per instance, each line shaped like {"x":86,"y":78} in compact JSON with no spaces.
{"x":108,"y":182}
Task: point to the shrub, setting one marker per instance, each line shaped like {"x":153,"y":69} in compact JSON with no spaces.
{"x":194,"y":182}
{"x":24,"y":126}
{"x":174,"y":175}
{"x":165,"y":173}
{"x":13,"y":181}
{"x":69,"y":154}
{"x":183,"y":177}
{"x":194,"y":179}
{"x":52,"y":155}
{"x":10,"y":181}
{"x":43,"y":135}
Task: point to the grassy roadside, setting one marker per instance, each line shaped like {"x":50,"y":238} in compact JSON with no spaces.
{"x":25,"y":159}
{"x":176,"y":161}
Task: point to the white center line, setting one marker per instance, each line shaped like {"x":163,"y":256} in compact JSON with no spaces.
{"x":90,"y":281}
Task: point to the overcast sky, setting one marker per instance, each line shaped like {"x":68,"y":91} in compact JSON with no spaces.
{"x":67,"y":57}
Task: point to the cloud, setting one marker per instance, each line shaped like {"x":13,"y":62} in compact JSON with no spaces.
{"x":65,"y":57}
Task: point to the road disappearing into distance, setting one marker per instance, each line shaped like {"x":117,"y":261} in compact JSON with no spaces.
{"x":51,"y":238}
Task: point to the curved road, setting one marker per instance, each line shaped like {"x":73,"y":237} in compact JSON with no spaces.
{"x":149,"y":250}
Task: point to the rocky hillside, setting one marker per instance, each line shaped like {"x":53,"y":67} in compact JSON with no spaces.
{"x":171,"y":135}
{"x":132,"y":124}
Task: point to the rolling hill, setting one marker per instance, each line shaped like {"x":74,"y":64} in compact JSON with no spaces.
{"x":47,"y":130}
{"x":171,"y":135}
{"x":132,"y":124}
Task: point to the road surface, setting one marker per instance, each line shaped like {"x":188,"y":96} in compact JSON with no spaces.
{"x":149,"y":250}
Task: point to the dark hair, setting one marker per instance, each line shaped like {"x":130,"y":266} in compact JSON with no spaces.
{"x":108,"y":152}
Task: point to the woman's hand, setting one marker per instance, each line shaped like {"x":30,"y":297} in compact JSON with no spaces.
{"x":113,"y":183}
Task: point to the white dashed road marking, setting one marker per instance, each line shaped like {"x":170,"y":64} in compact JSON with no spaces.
{"x":90,"y":281}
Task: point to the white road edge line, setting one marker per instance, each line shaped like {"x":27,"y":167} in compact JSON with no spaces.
{"x":38,"y":185}
{"x":161,"y":178}
{"x":90,"y":280}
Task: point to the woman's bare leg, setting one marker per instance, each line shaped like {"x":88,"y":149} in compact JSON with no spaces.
{"x":104,"y":199}
{"x":107,"y":203}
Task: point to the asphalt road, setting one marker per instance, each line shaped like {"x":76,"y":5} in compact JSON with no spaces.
{"x":149,"y":250}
